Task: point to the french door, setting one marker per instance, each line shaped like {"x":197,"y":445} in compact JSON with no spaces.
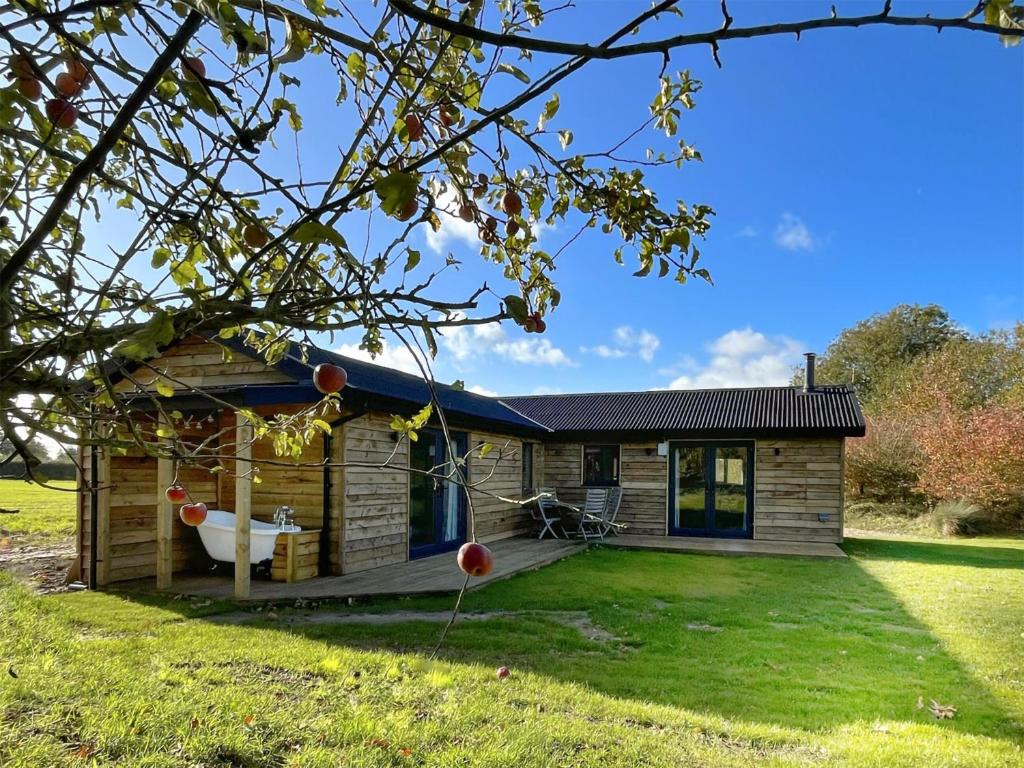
{"x":711,"y":489}
{"x":437,"y":507}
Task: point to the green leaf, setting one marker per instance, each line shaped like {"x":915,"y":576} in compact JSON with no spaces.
{"x":356,"y":66}
{"x":565,"y":138}
{"x":164,"y":389}
{"x":315,"y":233}
{"x":395,"y":190}
{"x":550,"y":110}
{"x":485,"y":448}
{"x":200,"y":98}
{"x":517,"y":308}
{"x":160,"y":257}
{"x":516,"y":72}
{"x":676,"y":237}
{"x":322,"y":425}
{"x":145,"y":343}
{"x":412,"y":259}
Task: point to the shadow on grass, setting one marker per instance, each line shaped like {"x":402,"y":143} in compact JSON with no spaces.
{"x":802,"y":643}
{"x":968,"y":552}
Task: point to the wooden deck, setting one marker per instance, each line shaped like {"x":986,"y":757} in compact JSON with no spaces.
{"x":437,"y":574}
{"x":726,"y":546}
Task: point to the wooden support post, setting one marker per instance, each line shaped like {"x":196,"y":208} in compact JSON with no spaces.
{"x":102,"y":480}
{"x":164,"y":520}
{"x":243,"y":505}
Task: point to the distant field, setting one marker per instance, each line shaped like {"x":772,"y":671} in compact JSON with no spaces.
{"x":44,"y":512}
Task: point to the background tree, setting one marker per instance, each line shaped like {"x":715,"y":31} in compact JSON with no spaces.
{"x":180,"y":125}
{"x":874,"y":349}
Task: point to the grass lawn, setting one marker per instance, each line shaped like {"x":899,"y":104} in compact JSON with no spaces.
{"x":701,"y":660}
{"x":44,"y":513}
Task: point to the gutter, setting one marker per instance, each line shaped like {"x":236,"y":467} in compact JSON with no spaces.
{"x":94,"y":497}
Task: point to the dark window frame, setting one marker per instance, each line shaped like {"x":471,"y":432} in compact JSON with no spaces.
{"x":528,"y":450}
{"x":616,"y":464}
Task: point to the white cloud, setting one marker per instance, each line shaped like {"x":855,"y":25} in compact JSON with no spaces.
{"x":642,"y":343}
{"x":543,"y":389}
{"x":747,"y":232}
{"x":603,"y":350}
{"x":792,"y":234}
{"x":533,"y":352}
{"x":477,"y":389}
{"x":470,"y":342}
{"x":452,"y":227}
{"x":398,"y":358}
{"x":744,"y":358}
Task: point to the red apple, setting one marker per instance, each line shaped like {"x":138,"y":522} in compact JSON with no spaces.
{"x":447,"y":116}
{"x":193,"y":514}
{"x":414,"y":127}
{"x":511,"y":227}
{"x":21,"y":66}
{"x":539,"y":322}
{"x":475,"y":559}
{"x":503,"y":672}
{"x":408,"y":210}
{"x":192,"y":68}
{"x":329,"y":378}
{"x":176,"y":494}
{"x":61,"y":112}
{"x":254,"y":236}
{"x":67,"y":86}
{"x":530,"y":326}
{"x":30,"y":88}
{"x":467,"y":211}
{"x":511,"y":203}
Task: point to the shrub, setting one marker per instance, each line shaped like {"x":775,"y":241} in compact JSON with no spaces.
{"x":976,"y":454}
{"x":885,"y":464}
{"x":956,"y":518}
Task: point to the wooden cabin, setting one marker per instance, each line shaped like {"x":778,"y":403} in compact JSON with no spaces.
{"x":760,"y":463}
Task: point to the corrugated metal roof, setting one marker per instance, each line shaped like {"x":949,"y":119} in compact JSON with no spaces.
{"x":373,"y":379}
{"x":828,"y":410}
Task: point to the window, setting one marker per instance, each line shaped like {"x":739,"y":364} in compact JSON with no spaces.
{"x":600,"y":465}
{"x":527,"y":467}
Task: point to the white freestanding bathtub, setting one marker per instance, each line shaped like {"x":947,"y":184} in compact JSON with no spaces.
{"x":217,"y":532}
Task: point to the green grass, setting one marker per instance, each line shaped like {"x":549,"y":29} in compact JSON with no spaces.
{"x":814,"y":663}
{"x":44,"y":513}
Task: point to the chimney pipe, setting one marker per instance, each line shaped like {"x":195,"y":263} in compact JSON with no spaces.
{"x":809,"y":372}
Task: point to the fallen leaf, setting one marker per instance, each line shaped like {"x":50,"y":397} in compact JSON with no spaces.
{"x":405,"y":752}
{"x":249,"y":720}
{"x":920,"y":702}
{"x":942,"y":711}
{"x":86,"y":750}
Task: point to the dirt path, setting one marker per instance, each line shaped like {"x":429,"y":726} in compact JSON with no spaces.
{"x":43,"y":563}
{"x":579,"y":620}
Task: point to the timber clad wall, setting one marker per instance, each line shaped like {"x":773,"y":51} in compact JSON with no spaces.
{"x":643,"y":479}
{"x":197,"y":362}
{"x":500,"y":472}
{"x":792,"y":488}
{"x":376,"y":501}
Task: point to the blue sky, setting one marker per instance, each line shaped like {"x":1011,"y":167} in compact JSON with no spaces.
{"x":850,"y":171}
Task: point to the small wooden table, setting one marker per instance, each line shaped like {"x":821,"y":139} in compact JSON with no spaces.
{"x":296,"y":556}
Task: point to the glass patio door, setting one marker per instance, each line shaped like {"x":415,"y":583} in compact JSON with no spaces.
{"x":437,"y":507}
{"x":711,"y":489}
